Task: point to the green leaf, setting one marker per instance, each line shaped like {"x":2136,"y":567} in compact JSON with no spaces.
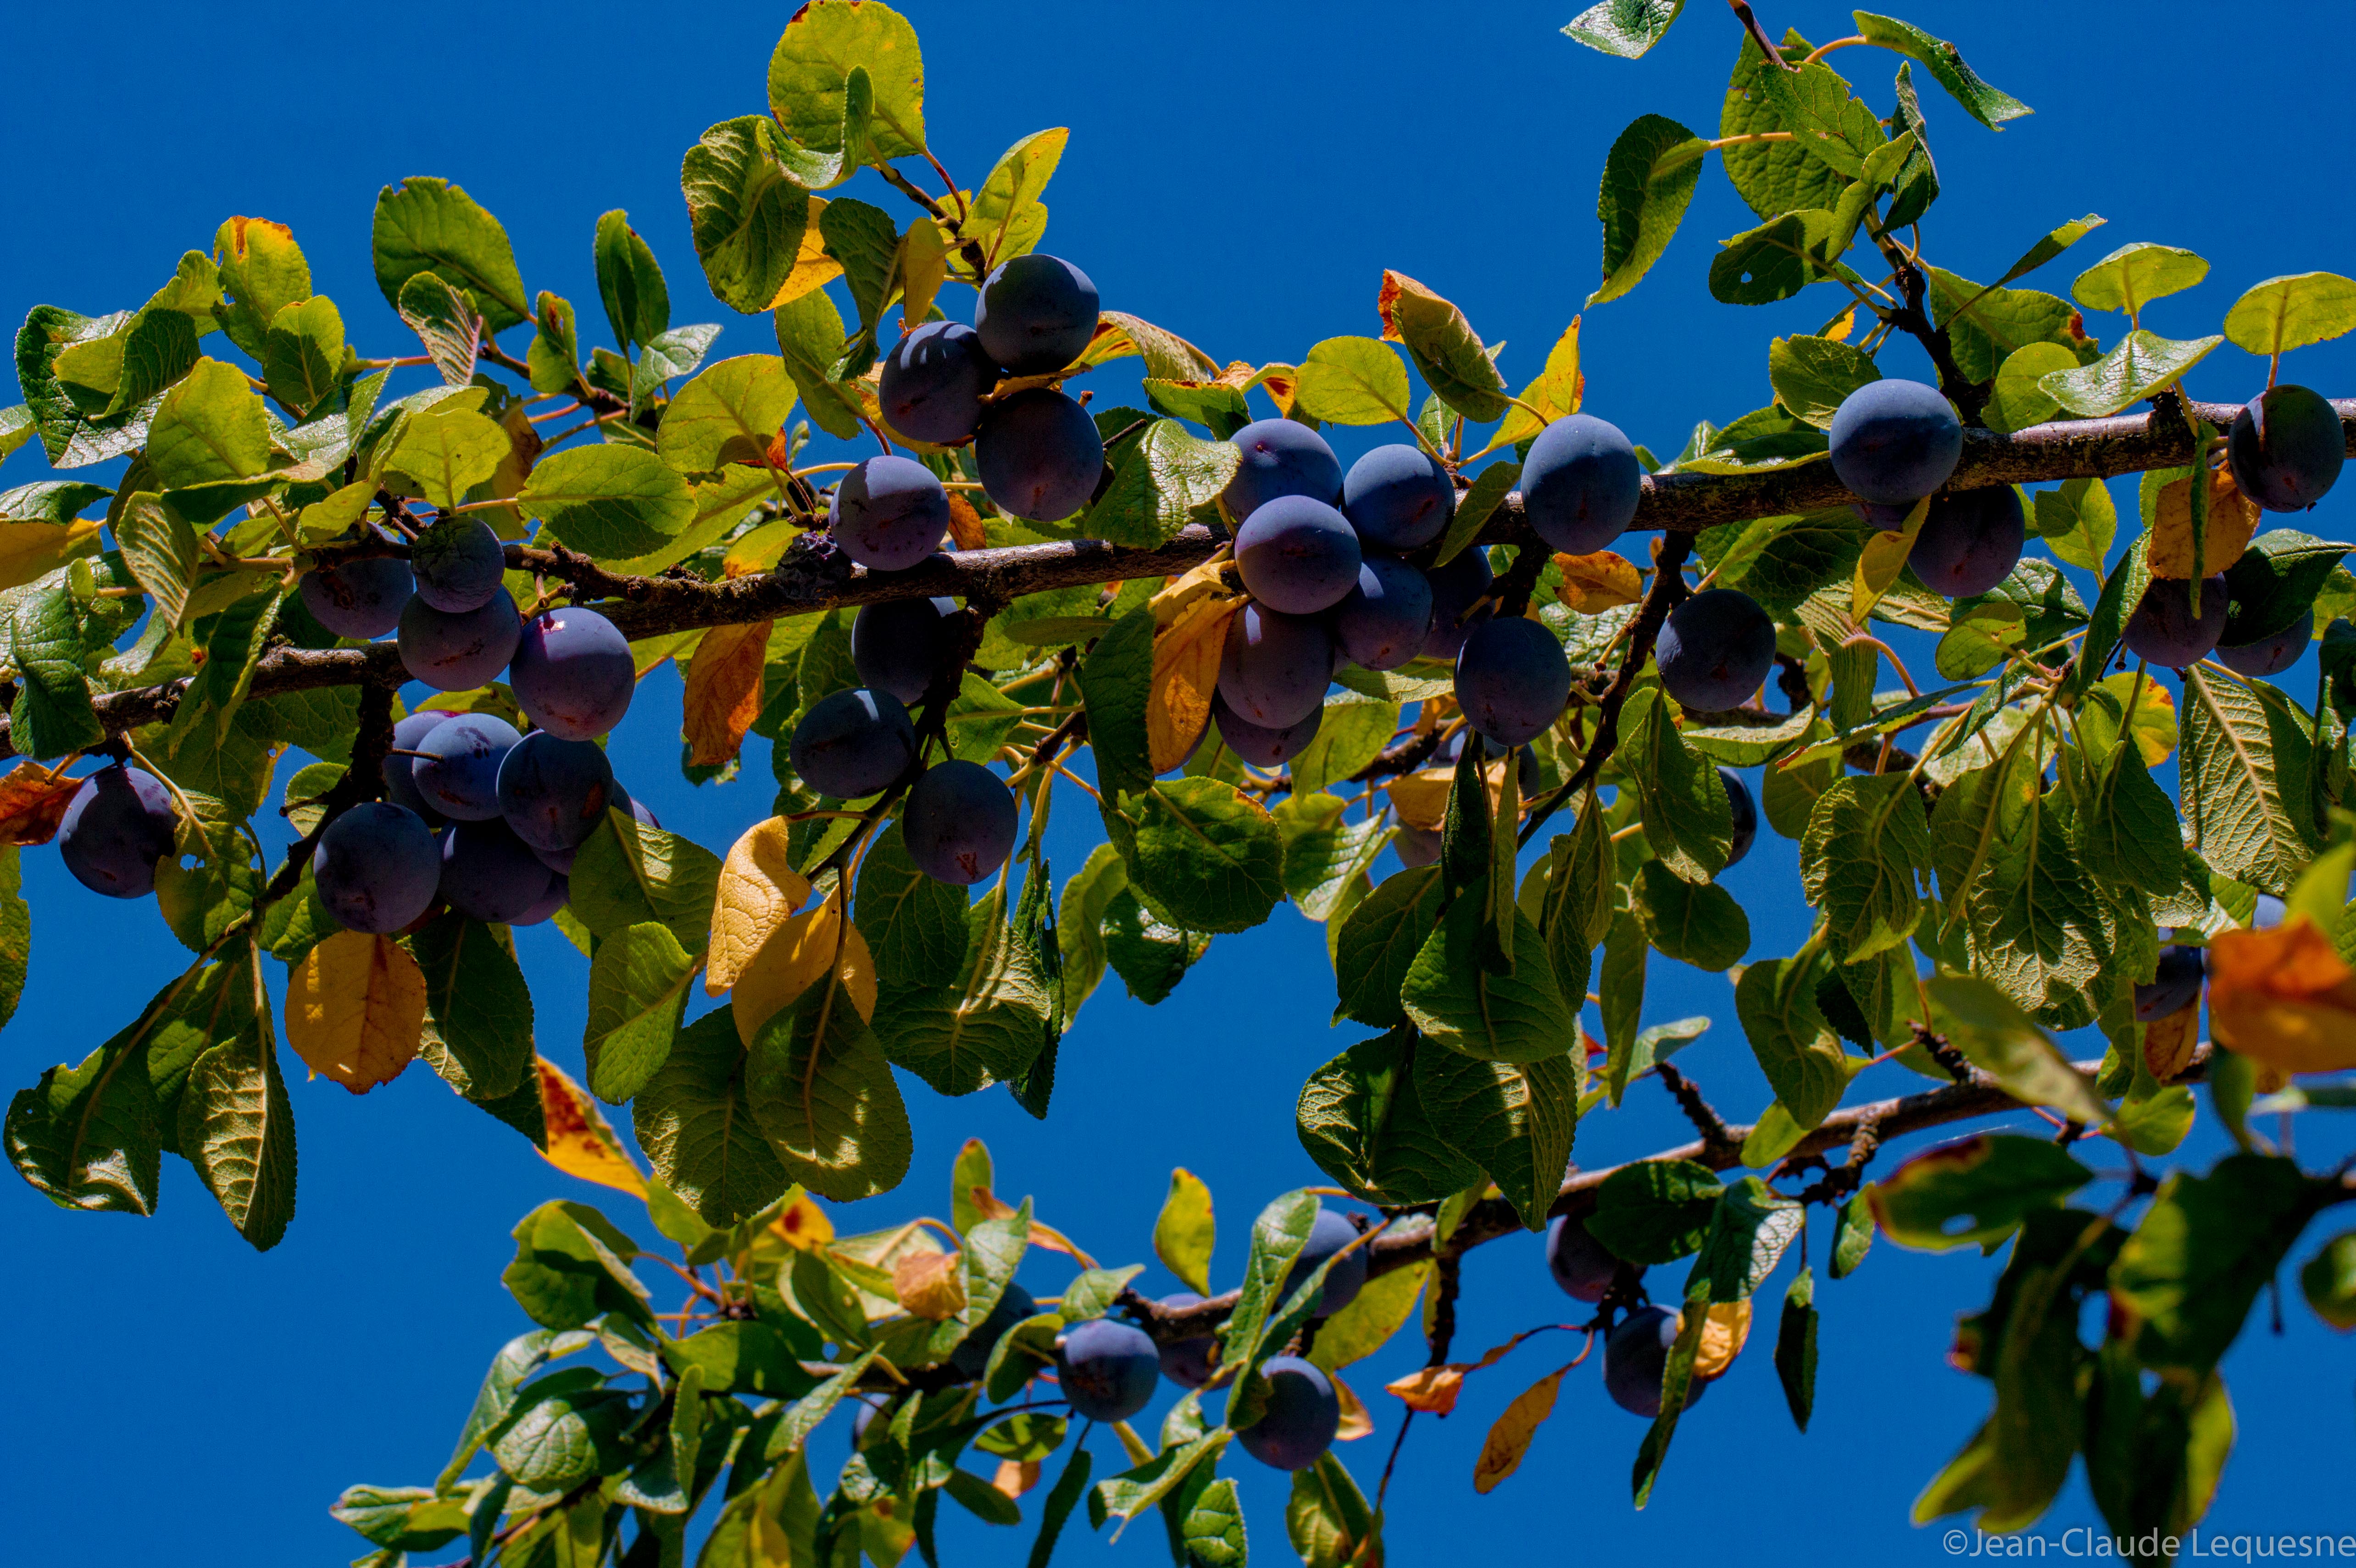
{"x":262,"y":271}
{"x":1995,"y":1035}
{"x":1655,"y":1211}
{"x":989,"y":1025}
{"x":2134,"y":275}
{"x":746,"y":214}
{"x":1183,"y":1233}
{"x":1361,"y":1119}
{"x":1515,"y":1121}
{"x":810,"y":75}
{"x":1812,"y":102}
{"x":1776,"y":260}
{"x":609,"y":502}
{"x":696,"y":1125}
{"x":728,"y":414}
{"x":637,"y":990}
{"x":430,"y":225}
{"x":2019,"y":398}
{"x":2077,"y":521}
{"x":304,"y":355}
{"x":237,"y":1127}
{"x":1379,"y":941}
{"x":1324,"y":854}
{"x":2204,"y":1250}
{"x":1071,"y":1485}
{"x":89,"y":1136}
{"x":53,"y":713}
{"x":1212,"y":1531}
{"x":809,"y":335}
{"x":1986,"y":326}
{"x":2277,"y":579}
{"x":626,"y":873}
{"x":1006,"y":216}
{"x":448,"y":450}
{"x":1352,"y":380}
{"x":1797,"y":1050}
{"x":445,"y":320}
{"x":1983,"y":103}
{"x":2244,"y":764}
{"x":1159,"y":479}
{"x":1206,"y":854}
{"x":1867,"y":839}
{"x":1328,"y":1519}
{"x":866,"y":242}
{"x":1701,"y":925}
{"x":1648,"y":181}
{"x":1813,"y":376}
{"x":2285,"y":313}
{"x":1474,"y":509}
{"x":1624,"y":28}
{"x":1795,"y":1347}
{"x":2329,"y":1281}
{"x":2142,"y":364}
{"x":572,"y":1264}
{"x":821,"y":1090}
{"x":671,"y":355}
{"x":1447,"y":352}
{"x":1749,"y":1228}
{"x":1151,"y":955}
{"x":1680,"y":798}
{"x":554,"y":356}
{"x":1458,"y":1003}
{"x":629,"y":281}
{"x":563,"y":1437}
{"x":409,"y":1519}
{"x":1278,"y":1234}
{"x":1973,"y":1191}
{"x":914,"y":927}
{"x":211,"y":426}
{"x":1351,"y":732}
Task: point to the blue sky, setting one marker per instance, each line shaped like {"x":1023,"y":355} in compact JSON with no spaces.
{"x":1240,"y":176}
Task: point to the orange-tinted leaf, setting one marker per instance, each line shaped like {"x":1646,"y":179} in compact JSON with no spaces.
{"x":1723,"y":1334}
{"x":1593,"y":584}
{"x":964,"y":524}
{"x":581,"y":1141}
{"x":2282,"y":998}
{"x":1185,"y":674}
{"x":1433,"y":1389}
{"x":759,"y":889}
{"x":930,"y":1285}
{"x":33,"y":801}
{"x":1016,"y":1477}
{"x":2232,"y":522}
{"x":1883,"y":559}
{"x":723,"y":692}
{"x":355,"y":1009}
{"x":1509,"y":1439}
{"x":2169,"y":1043}
{"x":803,"y":1225}
{"x":1356,"y":1422}
{"x":1421,"y":798}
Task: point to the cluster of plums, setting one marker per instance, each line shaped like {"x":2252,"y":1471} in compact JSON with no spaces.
{"x":1636,"y":1349}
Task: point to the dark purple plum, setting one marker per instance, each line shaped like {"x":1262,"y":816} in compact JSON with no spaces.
{"x":853,"y":743}
{"x":1329,"y":1234}
{"x":2269,"y":912}
{"x":1895,"y":441}
{"x":119,"y":823}
{"x":1107,"y":1370}
{"x":1259,"y":747}
{"x":2174,"y":986}
{"x":1581,"y":484}
{"x":1281,"y":458}
{"x":1745,"y":811}
{"x":1039,"y":455}
{"x":1302,"y":1416}
{"x":1189,"y":1363}
{"x":1296,"y":555}
{"x":2162,"y":629}
{"x":359,"y":598}
{"x":1416,"y":846}
{"x":1580,"y":1265}
{"x":889,"y":513}
{"x":561,"y":860}
{"x":2270,"y":655}
{"x":1454,"y":589}
{"x":1382,"y":622}
{"x":399,"y":775}
{"x":932,"y":381}
{"x":2285,"y":449}
{"x":559,"y":893}
{"x":971,"y":1356}
{"x":552,"y":792}
{"x":1035,"y":314}
{"x":1636,"y":1354}
{"x":1970,"y":540}
{"x":459,"y":652}
{"x":458,"y":563}
{"x":1716,"y":649}
{"x":490,"y":873}
{"x":574,"y":673}
{"x":458,"y":767}
{"x":377,"y":867}
{"x":1275,"y":668}
{"x":1398,"y":497}
{"x":1512,"y":679}
{"x":959,"y":822}
{"x":897,"y":646}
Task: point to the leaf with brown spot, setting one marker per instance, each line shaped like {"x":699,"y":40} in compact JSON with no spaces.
{"x":759,"y":889}
{"x":581,"y":1141}
{"x":2232,"y":523}
{"x":1509,"y":1438}
{"x":33,"y":801}
{"x":723,"y":692}
{"x":930,"y":1285}
{"x":356,"y":1009}
{"x":1593,"y":584}
{"x":1185,"y":674}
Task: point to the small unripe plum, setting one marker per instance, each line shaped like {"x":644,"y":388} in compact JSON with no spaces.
{"x":2270,"y":655}
{"x":959,"y":822}
{"x":377,"y":867}
{"x":1275,"y":668}
{"x":359,"y":598}
{"x":899,"y":645}
{"x":119,"y":823}
{"x":889,"y":513}
{"x":1745,"y":811}
{"x":1281,"y":458}
{"x":1970,"y":540}
{"x":1580,"y":1265}
{"x":1895,"y":441}
{"x":459,"y":652}
{"x":932,"y":381}
{"x":1039,"y":455}
{"x":2285,"y":449}
{"x":574,"y":673}
{"x":553,"y":791}
{"x":1714,"y":649}
{"x":490,"y":873}
{"x":1259,"y":747}
{"x":1345,"y":1279}
{"x":1189,"y":1363}
{"x":1382,"y":622}
{"x":1454,"y":589}
{"x":1035,"y":314}
{"x":2162,"y":629}
{"x":1512,"y":679}
{"x":2174,"y":986}
{"x":853,"y":743}
{"x":971,"y":1356}
{"x":1636,"y":1354}
{"x":1416,"y":846}
{"x":559,"y":893}
{"x":459,"y":564}
{"x":400,"y":770}
{"x":1581,"y":484}
{"x":1296,"y":555}
{"x":1302,"y":1416}
{"x":457,"y":770}
{"x":1398,"y":497}
{"x":1107,"y":1370}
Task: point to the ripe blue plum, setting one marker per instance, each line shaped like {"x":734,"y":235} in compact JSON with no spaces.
{"x":561,"y":860}
{"x":1398,"y":497}
{"x":1261,"y":746}
{"x":899,"y":645}
{"x":559,"y":893}
{"x":119,"y":823}
{"x":458,"y":652}
{"x":1189,"y":1363}
{"x":553,"y":791}
{"x":377,"y":867}
{"x":490,"y":873}
{"x":458,"y":563}
{"x":2270,"y":655}
{"x":889,"y":513}
{"x":1302,"y":1416}
{"x":572,"y":673}
{"x":457,"y":765}
{"x":1344,"y":1280}
{"x":1970,"y":540}
{"x":959,"y":822}
{"x":2268,"y":912}
{"x":1035,"y":314}
{"x":932,"y":381}
{"x":359,"y":598}
{"x":2163,"y":630}
{"x":1382,"y":622}
{"x":1108,"y":1370}
{"x":1039,"y":455}
{"x":1580,"y":1265}
{"x":971,"y":1356}
{"x":1275,"y":668}
{"x":1895,"y":441}
{"x":1454,"y":589}
{"x":853,"y":743}
{"x":1581,"y":484}
{"x":1512,"y":679}
{"x":1296,"y":555}
{"x":1716,"y":649}
{"x":1416,"y":846}
{"x":1745,"y":811}
{"x":1281,"y":458}
{"x":2285,"y":449}
{"x":1635,"y":1354}
{"x":400,"y":770}
{"x":2174,"y":986}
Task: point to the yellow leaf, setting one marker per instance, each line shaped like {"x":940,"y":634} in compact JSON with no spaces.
{"x":1509,"y":1439}
{"x":2232,"y":520}
{"x":758,"y":889}
{"x":1185,"y":674}
{"x":581,"y":1141}
{"x":2154,"y":725}
{"x":2169,"y":1043}
{"x":1883,"y":558}
{"x":1593,"y":584}
{"x":800,"y":952}
{"x":813,"y":268}
{"x":2283,"y":998}
{"x":1356,"y":1422}
{"x":804,"y":1225}
{"x":1723,"y":1334}
{"x":1421,"y":798}
{"x":508,"y":478}
{"x":1183,"y":1232}
{"x":1435,"y":1388}
{"x":1556,"y":394}
{"x":1374,"y":1314}
{"x":964,"y":524}
{"x":1016,"y":1477}
{"x":31,"y":551}
{"x":1842,"y":325}
{"x":924,"y":267}
{"x":930,"y":1285}
{"x":355,"y":1007}
{"x":1208,"y":580}
{"x":723,"y":692}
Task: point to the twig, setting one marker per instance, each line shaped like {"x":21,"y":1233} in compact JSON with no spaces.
{"x":1706,"y":1120}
